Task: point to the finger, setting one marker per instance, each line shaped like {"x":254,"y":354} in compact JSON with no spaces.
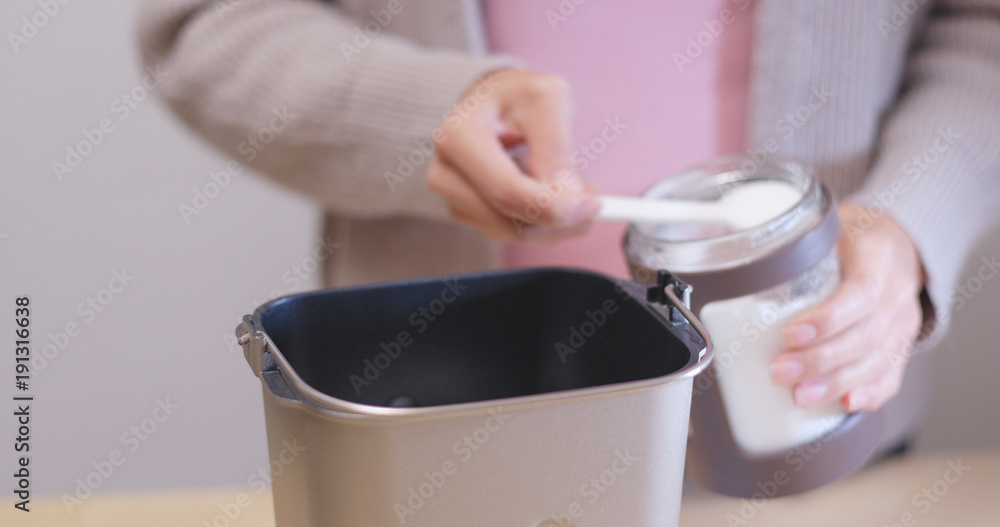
{"x":467,"y":206}
{"x":872,"y":395}
{"x":831,"y":386}
{"x":824,"y":356}
{"x":899,"y":352}
{"x":907,"y":328}
{"x":852,"y":343}
{"x":480,"y":159}
{"x":553,"y":234}
{"x":862,"y":284}
{"x":907,"y":302}
{"x":476,"y":154}
{"x":884,"y":355}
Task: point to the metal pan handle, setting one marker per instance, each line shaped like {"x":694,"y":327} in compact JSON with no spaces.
{"x":675,"y":295}
{"x":254,"y":343}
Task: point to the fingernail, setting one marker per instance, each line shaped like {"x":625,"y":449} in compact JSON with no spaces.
{"x":856,"y":401}
{"x":786,"y":371}
{"x":798,"y":335}
{"x":584,"y":209}
{"x":807,"y":393}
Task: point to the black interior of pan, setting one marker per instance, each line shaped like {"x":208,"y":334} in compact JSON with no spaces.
{"x":473,"y":338}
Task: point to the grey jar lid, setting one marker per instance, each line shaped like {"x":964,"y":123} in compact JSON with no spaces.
{"x":771,"y":270}
{"x":734,"y":264}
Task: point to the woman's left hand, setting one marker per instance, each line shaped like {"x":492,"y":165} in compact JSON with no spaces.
{"x":855,"y":345}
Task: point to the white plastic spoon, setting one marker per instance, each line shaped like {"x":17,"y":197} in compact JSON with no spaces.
{"x":743,"y":207}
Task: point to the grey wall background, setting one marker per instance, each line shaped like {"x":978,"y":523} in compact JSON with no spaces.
{"x":964,"y":407}
{"x":162,"y":336}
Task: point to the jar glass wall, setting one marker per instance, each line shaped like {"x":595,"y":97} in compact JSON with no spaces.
{"x":745,"y":290}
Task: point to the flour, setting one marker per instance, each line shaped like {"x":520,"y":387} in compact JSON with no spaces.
{"x":747,"y":333}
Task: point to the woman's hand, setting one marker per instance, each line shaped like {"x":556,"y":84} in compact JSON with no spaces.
{"x":854,"y":346}
{"x":485,"y":187}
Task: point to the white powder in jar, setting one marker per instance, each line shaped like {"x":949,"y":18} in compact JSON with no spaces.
{"x":748,"y":334}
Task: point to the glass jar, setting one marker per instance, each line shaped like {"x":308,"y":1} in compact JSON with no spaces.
{"x":746,"y":432}
{"x":747,"y":285}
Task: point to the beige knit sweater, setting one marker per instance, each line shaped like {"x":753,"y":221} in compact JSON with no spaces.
{"x":895,"y":103}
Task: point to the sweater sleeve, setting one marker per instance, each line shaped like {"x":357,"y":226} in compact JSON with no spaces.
{"x":291,"y":88}
{"x":938,"y":165}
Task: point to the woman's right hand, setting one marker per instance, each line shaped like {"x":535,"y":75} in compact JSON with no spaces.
{"x":485,"y":187}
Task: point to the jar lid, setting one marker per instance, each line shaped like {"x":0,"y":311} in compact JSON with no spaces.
{"x":721,"y":263}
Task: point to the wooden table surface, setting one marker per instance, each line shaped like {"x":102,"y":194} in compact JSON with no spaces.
{"x":890,"y":494}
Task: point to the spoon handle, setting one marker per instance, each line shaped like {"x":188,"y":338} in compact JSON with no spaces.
{"x":639,"y":210}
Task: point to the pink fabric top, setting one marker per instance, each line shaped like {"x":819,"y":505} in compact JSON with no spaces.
{"x":658,"y":85}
